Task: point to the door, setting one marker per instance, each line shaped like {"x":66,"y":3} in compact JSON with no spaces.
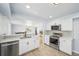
{"x":76,"y":34}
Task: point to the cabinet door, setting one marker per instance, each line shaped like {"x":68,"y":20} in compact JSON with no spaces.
{"x":46,"y":40}
{"x":66,"y":45}
{"x":62,"y":45}
{"x":69,"y":46}
{"x":31,"y":44}
{"x":66,"y":25}
{"x":36,"y":43}
{"x":21,"y":51}
{"x":23,"y":46}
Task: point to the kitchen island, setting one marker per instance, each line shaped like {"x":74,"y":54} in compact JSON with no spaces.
{"x":28,"y":44}
{"x":25,"y":44}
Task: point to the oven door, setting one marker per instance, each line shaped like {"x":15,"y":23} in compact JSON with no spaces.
{"x":54,"y":41}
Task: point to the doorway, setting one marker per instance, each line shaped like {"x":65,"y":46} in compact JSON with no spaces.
{"x":75,"y":45}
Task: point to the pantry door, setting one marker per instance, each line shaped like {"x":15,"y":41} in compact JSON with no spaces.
{"x":75,"y":45}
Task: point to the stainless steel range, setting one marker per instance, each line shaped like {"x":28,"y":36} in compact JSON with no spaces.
{"x":54,"y":40}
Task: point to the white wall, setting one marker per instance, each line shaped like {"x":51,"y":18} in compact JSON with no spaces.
{"x":17,"y":28}
{"x":4,"y":25}
{"x":22,"y":20}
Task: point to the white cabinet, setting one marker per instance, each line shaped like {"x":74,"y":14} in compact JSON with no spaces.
{"x":46,"y":39}
{"x":28,"y":44}
{"x":36,"y":43}
{"x":66,"y":45}
{"x":31,"y":45}
{"x":63,"y":45}
{"x":66,"y":25}
{"x":23,"y":46}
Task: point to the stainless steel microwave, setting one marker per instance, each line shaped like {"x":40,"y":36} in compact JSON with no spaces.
{"x":56,"y":27}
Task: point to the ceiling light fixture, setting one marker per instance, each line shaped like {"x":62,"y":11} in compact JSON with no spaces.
{"x":28,"y":23}
{"x":54,"y":4}
{"x":27,"y":6}
{"x":50,"y":16}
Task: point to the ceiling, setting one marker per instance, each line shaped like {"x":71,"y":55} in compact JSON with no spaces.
{"x":41,"y":10}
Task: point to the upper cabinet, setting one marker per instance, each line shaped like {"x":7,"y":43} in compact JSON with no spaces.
{"x":66,"y":25}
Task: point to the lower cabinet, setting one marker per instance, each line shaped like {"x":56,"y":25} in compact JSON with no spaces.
{"x":36,"y":44}
{"x":23,"y":46}
{"x":66,"y":45}
{"x":31,"y":45}
{"x":26,"y":45}
{"x":46,"y":39}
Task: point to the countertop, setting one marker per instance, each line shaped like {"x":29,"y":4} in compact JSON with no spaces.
{"x":9,"y":40}
{"x":12,"y":38}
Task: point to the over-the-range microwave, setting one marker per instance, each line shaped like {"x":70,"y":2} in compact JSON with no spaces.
{"x":56,"y":27}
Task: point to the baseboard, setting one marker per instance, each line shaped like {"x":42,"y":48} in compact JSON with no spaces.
{"x":75,"y":51}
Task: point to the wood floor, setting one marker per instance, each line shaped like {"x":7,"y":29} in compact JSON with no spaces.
{"x":45,"y":50}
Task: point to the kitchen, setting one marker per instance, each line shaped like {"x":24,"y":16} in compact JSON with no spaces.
{"x":25,"y":28}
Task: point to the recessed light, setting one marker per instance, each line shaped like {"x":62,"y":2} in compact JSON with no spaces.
{"x":27,"y":6}
{"x":55,"y":4}
{"x":29,"y":23}
{"x":50,"y":16}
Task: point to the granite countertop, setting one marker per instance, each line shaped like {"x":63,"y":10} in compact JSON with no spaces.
{"x":9,"y":38}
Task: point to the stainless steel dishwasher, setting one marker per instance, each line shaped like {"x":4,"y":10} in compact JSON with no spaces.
{"x":9,"y":48}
